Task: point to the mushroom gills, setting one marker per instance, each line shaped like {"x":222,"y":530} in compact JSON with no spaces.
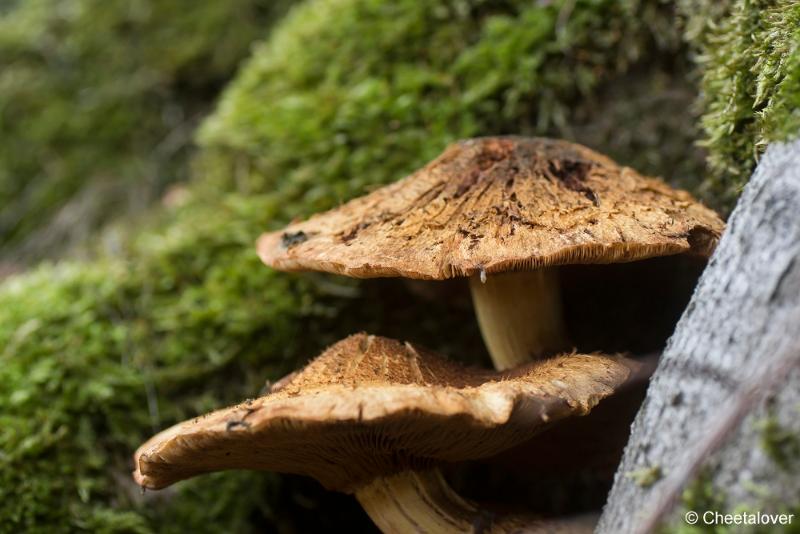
{"x":422,"y":501}
{"x":520,"y":315}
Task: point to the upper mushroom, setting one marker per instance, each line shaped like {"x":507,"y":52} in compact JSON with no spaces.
{"x":507,"y":212}
{"x":499,"y":204}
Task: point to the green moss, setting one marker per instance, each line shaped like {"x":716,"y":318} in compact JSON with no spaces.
{"x":781,"y":443}
{"x":782,"y":446}
{"x":347,"y":94}
{"x":330,"y":121}
{"x":100,"y":99}
{"x":750,"y":61}
{"x":96,"y":357}
{"x":703,"y":496}
{"x":699,"y":496}
{"x":646,"y":477}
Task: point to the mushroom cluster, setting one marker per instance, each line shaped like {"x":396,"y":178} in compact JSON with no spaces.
{"x":375,"y":417}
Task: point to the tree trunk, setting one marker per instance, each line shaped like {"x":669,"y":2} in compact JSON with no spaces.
{"x":729,"y":380}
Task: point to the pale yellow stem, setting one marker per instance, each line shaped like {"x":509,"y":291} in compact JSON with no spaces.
{"x":415,"y":501}
{"x":520,"y":318}
{"x":520,"y":315}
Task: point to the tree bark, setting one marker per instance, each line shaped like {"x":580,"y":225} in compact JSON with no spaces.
{"x":728,"y":381}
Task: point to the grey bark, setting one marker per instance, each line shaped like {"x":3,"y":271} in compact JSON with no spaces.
{"x":731,"y":365}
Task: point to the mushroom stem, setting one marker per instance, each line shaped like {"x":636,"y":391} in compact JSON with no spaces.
{"x":520,"y":315}
{"x":422,"y":501}
{"x":416,"y":501}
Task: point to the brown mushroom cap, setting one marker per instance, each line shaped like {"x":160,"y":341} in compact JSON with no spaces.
{"x":499,"y":204}
{"x":371,"y":406}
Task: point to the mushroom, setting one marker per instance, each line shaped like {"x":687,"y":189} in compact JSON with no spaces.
{"x":373,"y":416}
{"x":505,"y":212}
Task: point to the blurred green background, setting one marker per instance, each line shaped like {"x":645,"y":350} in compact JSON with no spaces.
{"x":146,"y":144}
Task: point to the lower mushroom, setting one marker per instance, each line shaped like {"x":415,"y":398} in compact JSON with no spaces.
{"x":373,"y":417}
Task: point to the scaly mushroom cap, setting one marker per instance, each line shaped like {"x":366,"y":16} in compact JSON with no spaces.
{"x":371,"y":406}
{"x":499,"y":204}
